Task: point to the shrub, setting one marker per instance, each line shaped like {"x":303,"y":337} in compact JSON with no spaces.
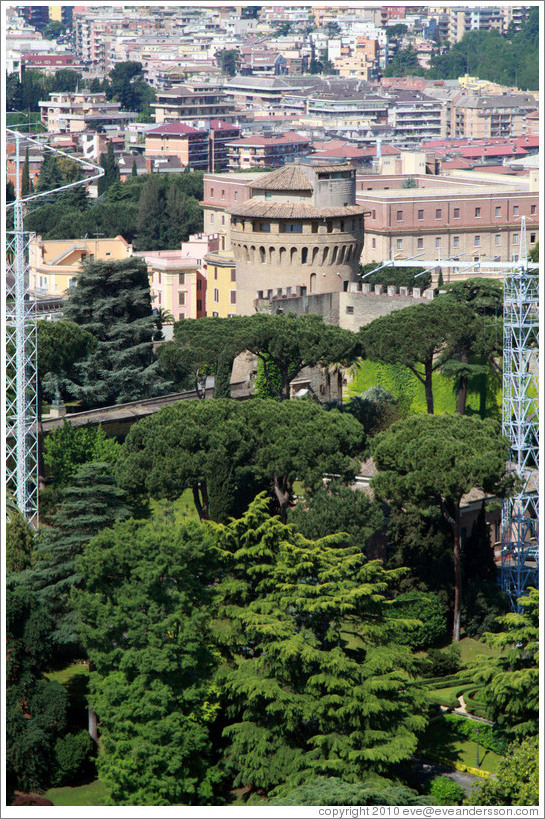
{"x":442,"y":663}
{"x":443,"y":791}
{"x":72,"y":756}
{"x":426,"y":607}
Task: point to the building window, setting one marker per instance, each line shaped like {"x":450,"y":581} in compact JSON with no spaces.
{"x":216,"y":294}
{"x":349,"y":309}
{"x":399,"y":243}
{"x":497,"y":239}
{"x":264,"y":227}
{"x":181,"y":297}
{"x":455,"y":241}
{"x":236,"y":195}
{"x":223,"y":194}
{"x":199,"y":284}
{"x":477,"y":213}
{"x":215,"y":273}
{"x":233,"y":275}
{"x":223,"y":242}
{"x":515,"y":210}
{"x":477,"y":241}
{"x":532,"y":238}
{"x":291,"y":227}
{"x":515,"y":238}
{"x":498,"y":211}
{"x":437,"y":241}
{"x":374,"y":214}
{"x":181,"y":315}
{"x":159,"y":278}
{"x":420,"y":243}
{"x":211,"y":193}
{"x":373,"y":242}
{"x":437,"y":213}
{"x":400,"y":216}
{"x":421,"y":214}
{"x":211,"y":218}
{"x":532,"y":209}
{"x":456,"y":213}
{"x":199,"y":305}
{"x":232,"y":296}
{"x":268,"y":195}
{"x":222,"y":219}
{"x":181,"y":278}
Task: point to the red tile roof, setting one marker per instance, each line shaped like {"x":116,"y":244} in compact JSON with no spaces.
{"x":173,"y":129}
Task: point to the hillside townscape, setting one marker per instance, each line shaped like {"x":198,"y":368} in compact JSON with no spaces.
{"x":271,"y":530}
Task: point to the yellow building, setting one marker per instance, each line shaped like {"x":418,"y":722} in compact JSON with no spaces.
{"x":221,"y":285}
{"x":54,"y":264}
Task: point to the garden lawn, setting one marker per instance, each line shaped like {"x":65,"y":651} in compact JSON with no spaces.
{"x":64,"y":675}
{"x":95,"y":793}
{"x":438,"y":741}
{"x":406,"y":387}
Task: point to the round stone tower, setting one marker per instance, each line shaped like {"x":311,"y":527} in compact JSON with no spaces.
{"x":301,"y":232}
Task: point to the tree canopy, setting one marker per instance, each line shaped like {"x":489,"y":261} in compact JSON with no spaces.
{"x":146,"y":594}
{"x":428,"y":459}
{"x":112,"y":301}
{"x":414,"y":337}
{"x":226,"y":451}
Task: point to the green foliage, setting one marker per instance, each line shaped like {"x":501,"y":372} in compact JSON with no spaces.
{"x":228,"y":60}
{"x":435,"y":460}
{"x":268,"y":381}
{"x":489,"y":736}
{"x":404,"y":64}
{"x":533,"y":253}
{"x":397,"y":276}
{"x":25,"y":94}
{"x":517,"y":781}
{"x":147,"y":592}
{"x":67,"y":448}
{"x":375,"y":409}
{"x":300,"y":701}
{"x":331,"y":790}
{"x":414,"y":337}
{"x":60,"y":345}
{"x":510,"y":61}
{"x":127,"y":86}
{"x":35,"y":708}
{"x":167,"y":211}
{"x":72,"y":756}
{"x":442,"y":663}
{"x":87,"y":505}
{"x":423,"y":607}
{"x":26,"y":184}
{"x":337,"y":508}
{"x":112,"y":301}
{"x":111,"y":169}
{"x":257,"y":443}
{"x":444,"y":791}
{"x":511,"y":689}
{"x":19,"y":542}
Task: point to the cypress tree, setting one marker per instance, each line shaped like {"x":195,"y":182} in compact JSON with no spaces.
{"x":134,"y":171}
{"x":222,"y":385}
{"x":112,"y":301}
{"x":111,"y":170}
{"x":26,"y":185}
{"x":89,"y":504}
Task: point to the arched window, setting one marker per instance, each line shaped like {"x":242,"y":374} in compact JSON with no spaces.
{"x":315,"y":252}
{"x":293,"y":255}
{"x":246,"y":254}
{"x":349,"y":253}
{"x":325,"y":254}
{"x":334,"y":255}
{"x":262,"y":255}
{"x":341,"y":254}
{"x":304,"y":255}
{"x":282,"y":253}
{"x":272,"y":255}
{"x":313,"y":282}
{"x":252,"y":253}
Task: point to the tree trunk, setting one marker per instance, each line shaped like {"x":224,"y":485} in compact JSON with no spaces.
{"x":200,"y":499}
{"x":461,"y":398}
{"x":92,"y":717}
{"x":283,"y":496}
{"x":428,"y":386}
{"x":457,"y":576}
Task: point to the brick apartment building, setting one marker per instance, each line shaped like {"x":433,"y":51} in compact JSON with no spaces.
{"x":189,"y":145}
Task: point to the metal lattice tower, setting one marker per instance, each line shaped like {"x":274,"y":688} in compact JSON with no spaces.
{"x":520,"y":513}
{"x":21,"y":372}
{"x":21,"y":343}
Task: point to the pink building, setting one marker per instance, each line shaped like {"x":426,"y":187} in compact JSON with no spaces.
{"x":178,"y":277}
